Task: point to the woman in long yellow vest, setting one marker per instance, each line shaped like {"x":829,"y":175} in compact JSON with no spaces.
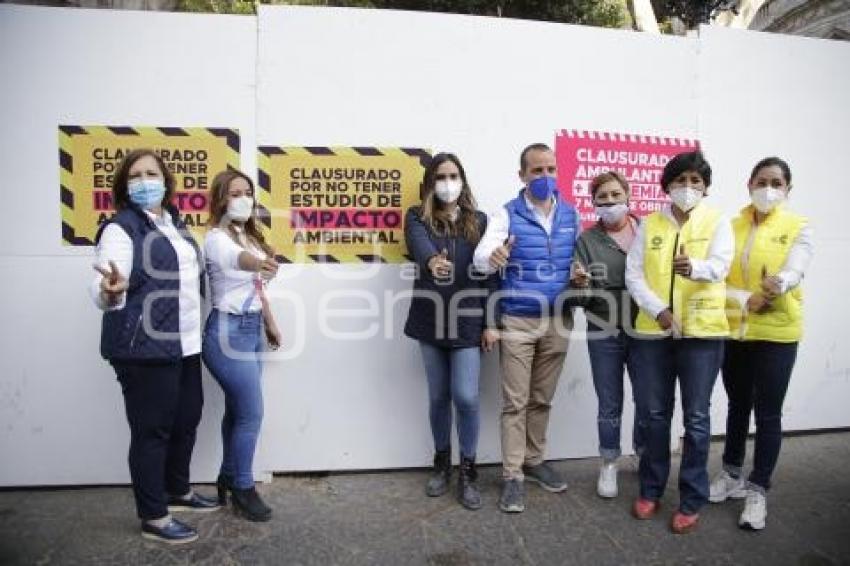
{"x":773,"y":248}
{"x":675,"y":271}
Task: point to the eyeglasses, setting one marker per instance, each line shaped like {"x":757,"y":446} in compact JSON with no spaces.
{"x":444,"y":176}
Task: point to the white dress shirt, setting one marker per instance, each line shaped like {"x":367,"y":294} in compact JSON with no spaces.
{"x":713,"y":268}
{"x":115,"y":245}
{"x":233,"y":289}
{"x":498,"y":230}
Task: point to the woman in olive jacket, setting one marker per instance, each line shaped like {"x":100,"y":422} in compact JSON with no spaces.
{"x":601,"y":255}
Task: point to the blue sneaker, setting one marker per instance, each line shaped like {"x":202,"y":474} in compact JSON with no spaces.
{"x":174,"y":532}
{"x":197,"y":503}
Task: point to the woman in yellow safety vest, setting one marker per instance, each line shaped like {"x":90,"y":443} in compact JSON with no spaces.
{"x":676,"y":271}
{"x":773,"y":248}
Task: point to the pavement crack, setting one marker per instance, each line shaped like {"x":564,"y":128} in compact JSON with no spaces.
{"x":521,"y":547}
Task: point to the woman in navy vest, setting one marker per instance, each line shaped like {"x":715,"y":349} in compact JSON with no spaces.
{"x":149,"y":287}
{"x":239,"y":262}
{"x":447,"y":316}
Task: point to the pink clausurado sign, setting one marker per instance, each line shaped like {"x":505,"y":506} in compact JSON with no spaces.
{"x":582,"y":155}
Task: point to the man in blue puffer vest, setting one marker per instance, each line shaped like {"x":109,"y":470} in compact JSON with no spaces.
{"x":531,"y":241}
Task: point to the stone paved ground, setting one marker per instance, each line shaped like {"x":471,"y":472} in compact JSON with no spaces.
{"x":384,"y":518}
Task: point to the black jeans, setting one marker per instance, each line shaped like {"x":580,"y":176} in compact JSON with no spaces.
{"x":163,"y":404}
{"x":756,"y":376}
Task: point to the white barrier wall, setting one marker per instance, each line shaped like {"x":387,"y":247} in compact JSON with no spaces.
{"x":61,"y":411}
{"x":767,"y":94}
{"x":481,"y":87}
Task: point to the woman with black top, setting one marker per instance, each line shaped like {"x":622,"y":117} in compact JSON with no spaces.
{"x":441,"y":236}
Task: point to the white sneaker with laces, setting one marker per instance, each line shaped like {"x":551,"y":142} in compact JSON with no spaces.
{"x":726,"y":487}
{"x":755,"y":511}
{"x":607,"y":484}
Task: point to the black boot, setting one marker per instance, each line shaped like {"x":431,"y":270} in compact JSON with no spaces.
{"x":467,"y":488}
{"x":438,"y":483}
{"x":247,"y":502}
{"x":222,"y":484}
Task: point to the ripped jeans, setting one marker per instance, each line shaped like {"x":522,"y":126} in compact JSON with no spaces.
{"x":658,"y":363}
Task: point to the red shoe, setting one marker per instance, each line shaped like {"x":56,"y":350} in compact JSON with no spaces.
{"x":682,"y":524}
{"x":645,"y":508}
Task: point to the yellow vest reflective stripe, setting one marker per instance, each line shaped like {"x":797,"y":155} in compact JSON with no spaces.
{"x":698,"y":305}
{"x":771,"y":243}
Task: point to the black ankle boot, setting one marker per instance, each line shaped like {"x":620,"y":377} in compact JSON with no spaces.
{"x":222,"y":484}
{"x":438,"y":483}
{"x":247,"y":502}
{"x":467,"y":486}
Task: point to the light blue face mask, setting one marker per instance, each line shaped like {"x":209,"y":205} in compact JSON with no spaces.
{"x":146,"y":193}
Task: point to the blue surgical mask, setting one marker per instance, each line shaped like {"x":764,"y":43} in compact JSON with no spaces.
{"x":542,"y":188}
{"x":146,"y":193}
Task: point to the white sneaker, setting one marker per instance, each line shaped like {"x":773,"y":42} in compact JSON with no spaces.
{"x":607,"y":484}
{"x":726,"y":487}
{"x":755,"y":511}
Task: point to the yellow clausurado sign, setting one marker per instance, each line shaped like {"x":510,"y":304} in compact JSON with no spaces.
{"x":89,"y":157}
{"x":340,"y":204}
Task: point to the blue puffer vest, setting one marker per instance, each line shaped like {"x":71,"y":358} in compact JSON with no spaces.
{"x":539,"y":267}
{"x":126,"y":333}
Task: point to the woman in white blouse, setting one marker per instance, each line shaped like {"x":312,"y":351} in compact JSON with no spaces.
{"x":149,"y":289}
{"x":239,"y":263}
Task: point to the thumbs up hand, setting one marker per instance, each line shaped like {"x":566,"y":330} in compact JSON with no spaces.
{"x":268,"y":268}
{"x":771,"y":285}
{"x":500,"y":256}
{"x":579,"y":277}
{"x":440,"y":265}
{"x":113,"y":284}
{"x":758,"y":303}
{"x":682,"y":263}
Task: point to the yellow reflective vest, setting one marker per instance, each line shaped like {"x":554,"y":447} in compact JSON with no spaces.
{"x":764,"y":247}
{"x":698,"y":305}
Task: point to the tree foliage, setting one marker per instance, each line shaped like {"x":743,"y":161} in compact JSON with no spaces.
{"x":606,"y":13}
{"x":691,"y":12}
{"x":217,"y":6}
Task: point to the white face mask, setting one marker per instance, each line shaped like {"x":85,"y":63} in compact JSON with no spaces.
{"x":240,"y":208}
{"x":766,"y":199}
{"x":448,"y":190}
{"x":612,"y":214}
{"x":686,"y":198}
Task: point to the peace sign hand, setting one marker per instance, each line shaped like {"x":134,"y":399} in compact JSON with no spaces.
{"x":113,"y":284}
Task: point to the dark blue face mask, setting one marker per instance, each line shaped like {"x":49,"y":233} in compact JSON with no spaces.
{"x":542,"y":188}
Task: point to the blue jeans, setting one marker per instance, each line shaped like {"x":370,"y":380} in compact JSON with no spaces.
{"x":756,"y":376}
{"x":453,"y":376}
{"x":240,"y":380}
{"x":658,"y":363}
{"x":609,"y":357}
